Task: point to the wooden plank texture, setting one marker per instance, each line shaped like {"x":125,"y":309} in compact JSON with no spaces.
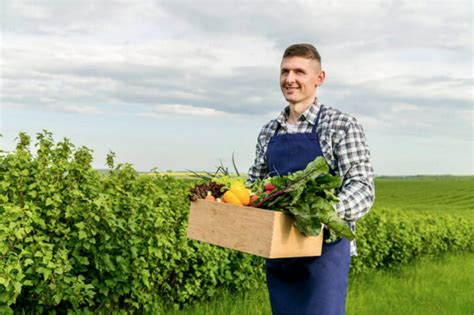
{"x":245,"y":229}
{"x":287,"y":241}
{"x":256,"y":231}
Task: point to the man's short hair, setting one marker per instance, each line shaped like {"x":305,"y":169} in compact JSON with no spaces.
{"x":302,"y":50}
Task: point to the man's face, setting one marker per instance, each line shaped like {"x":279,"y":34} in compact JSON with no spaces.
{"x":299,"y":78}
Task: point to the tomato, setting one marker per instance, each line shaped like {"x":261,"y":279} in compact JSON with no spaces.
{"x":269,"y":187}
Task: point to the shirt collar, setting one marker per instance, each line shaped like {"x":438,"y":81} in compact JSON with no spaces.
{"x":310,"y":114}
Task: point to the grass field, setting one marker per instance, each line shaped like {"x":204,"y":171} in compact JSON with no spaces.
{"x":427,"y":286}
{"x":442,"y":286}
{"x":450,"y":194}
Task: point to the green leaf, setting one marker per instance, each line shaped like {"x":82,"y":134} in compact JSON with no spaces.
{"x":49,"y":201}
{"x":46,"y":272}
{"x":82,"y":260}
{"x":80,"y":225}
{"x":5,"y":282}
{"x":32,"y":194}
{"x":6,"y":310}
{"x":57,"y":298}
{"x":17,"y":286}
{"x":82,"y":235}
{"x":145,"y":276}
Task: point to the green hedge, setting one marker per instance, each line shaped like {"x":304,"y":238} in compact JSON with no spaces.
{"x":387,"y":237}
{"x":73,"y":238}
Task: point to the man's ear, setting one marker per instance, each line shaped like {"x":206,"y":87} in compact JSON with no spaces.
{"x":321,"y":77}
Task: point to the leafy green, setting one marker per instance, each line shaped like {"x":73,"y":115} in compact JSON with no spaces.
{"x":308,"y":196}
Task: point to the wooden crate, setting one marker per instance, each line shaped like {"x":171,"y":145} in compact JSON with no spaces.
{"x":270,"y":234}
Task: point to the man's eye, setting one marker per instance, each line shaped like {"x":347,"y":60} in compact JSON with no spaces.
{"x":299,"y":71}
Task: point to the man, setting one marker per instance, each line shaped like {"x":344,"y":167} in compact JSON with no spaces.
{"x":304,"y":130}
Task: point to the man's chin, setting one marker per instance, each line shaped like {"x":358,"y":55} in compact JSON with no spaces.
{"x":290,"y":98}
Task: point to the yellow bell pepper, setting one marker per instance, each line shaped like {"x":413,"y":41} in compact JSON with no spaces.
{"x":237,"y":194}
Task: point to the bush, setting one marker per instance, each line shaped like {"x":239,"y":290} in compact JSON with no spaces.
{"x":73,"y":238}
{"x":386,"y":238}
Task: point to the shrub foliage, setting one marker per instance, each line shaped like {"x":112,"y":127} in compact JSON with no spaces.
{"x":387,"y":237}
{"x":74,"y":238}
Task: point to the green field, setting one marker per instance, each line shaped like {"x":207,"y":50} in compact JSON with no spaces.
{"x":439,"y":286}
{"x":450,"y":194}
{"x":115,"y":242}
{"x":442,"y":286}
{"x":427,"y":286}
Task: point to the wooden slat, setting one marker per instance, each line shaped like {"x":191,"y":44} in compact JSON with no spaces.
{"x":245,"y":229}
{"x":260,"y":232}
{"x":289,"y":242}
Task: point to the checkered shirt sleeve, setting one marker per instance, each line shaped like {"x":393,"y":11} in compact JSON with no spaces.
{"x":345,"y":148}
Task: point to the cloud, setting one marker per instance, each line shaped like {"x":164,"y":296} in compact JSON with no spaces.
{"x":403,"y":107}
{"x":402,"y":67}
{"x":94,"y":79}
{"x":372,"y":23}
{"x":416,"y":105}
{"x":183,"y":110}
{"x":63,"y":75}
{"x":84,"y":110}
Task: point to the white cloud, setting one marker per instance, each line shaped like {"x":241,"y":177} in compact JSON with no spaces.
{"x":401,"y":107}
{"x":85,"y":110}
{"x":400,"y":66}
{"x":184,"y":110}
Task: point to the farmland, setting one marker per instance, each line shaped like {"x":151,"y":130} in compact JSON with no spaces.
{"x":409,"y":288}
{"x":75,"y":238}
{"x":442,"y":194}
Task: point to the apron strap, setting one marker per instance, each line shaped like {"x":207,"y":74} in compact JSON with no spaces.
{"x":315,"y":126}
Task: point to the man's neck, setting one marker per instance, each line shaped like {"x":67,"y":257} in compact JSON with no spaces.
{"x":296,"y":110}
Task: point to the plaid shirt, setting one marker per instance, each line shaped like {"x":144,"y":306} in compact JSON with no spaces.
{"x":345,"y":149}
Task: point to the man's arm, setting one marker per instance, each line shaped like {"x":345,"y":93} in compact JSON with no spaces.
{"x":259,"y":166}
{"x":357,"y":193}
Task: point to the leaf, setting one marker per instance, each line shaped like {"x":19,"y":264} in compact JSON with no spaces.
{"x":80,"y":225}
{"x":5,"y":309}
{"x":49,"y":201}
{"x":57,"y":298}
{"x":145,"y":273}
{"x":32,"y":194}
{"x":82,"y":235}
{"x":82,"y":260}
{"x":4,"y":282}
{"x":309,"y":196}
{"x":46,"y":272}
{"x":313,"y":169}
{"x":17,"y":286}
{"x":235,"y":166}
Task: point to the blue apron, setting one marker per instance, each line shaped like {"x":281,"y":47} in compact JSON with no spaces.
{"x":305,"y":285}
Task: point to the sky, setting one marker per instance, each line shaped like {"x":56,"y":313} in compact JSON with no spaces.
{"x":177,"y":85}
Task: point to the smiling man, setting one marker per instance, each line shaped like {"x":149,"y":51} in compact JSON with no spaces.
{"x":304,"y":130}
{"x":299,"y":78}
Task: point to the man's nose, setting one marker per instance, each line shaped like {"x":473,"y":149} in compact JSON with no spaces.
{"x":290,"y":77}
